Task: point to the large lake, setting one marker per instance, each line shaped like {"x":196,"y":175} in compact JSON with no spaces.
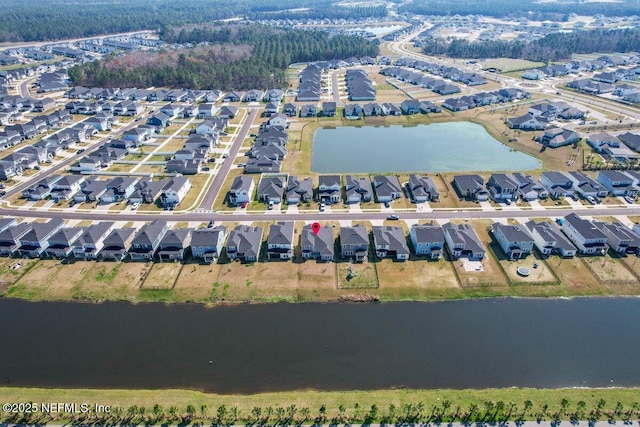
{"x":438,"y":147}
{"x":589,"y":342}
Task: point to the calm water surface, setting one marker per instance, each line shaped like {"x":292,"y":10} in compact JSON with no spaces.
{"x":438,"y":147}
{"x":253,"y":348}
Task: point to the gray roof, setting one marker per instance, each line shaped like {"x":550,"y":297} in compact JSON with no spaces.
{"x":40,"y":230}
{"x":272,"y":186}
{"x":386,"y":184}
{"x":281,"y":233}
{"x":6,"y":223}
{"x":94,"y":232}
{"x":149,"y":232}
{"x":207,"y":236}
{"x":118,"y":237}
{"x":550,"y":233}
{"x":391,"y":236}
{"x":247,"y":239}
{"x":584,"y":227}
{"x":465,"y":234}
{"x":428,"y":233}
{"x":242,"y":182}
{"x":329,"y":180}
{"x":176,"y":238}
{"x":323,"y":242}
{"x":620,"y":231}
{"x":513,"y":233}
{"x":356,"y":235}
{"x":15,"y":232}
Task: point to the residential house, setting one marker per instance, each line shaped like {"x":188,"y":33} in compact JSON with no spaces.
{"x":558,"y":137}
{"x":390,"y":242}
{"x":271,"y":189}
{"x":526,"y":122}
{"x":462,"y":241}
{"x":620,"y":238}
{"x":587,"y":186}
{"x":241,"y":190}
{"x":329,"y":189}
{"x":358,"y":190}
{"x":244,"y":243}
{"x":422,"y":189}
{"x":60,"y":243}
{"x":502,"y":187}
{"x":116,"y":244}
{"x":529,"y":188}
{"x":207,"y":243}
{"x":329,"y":109}
{"x":470,"y":187}
{"x":175,"y":191}
{"x":600,"y":140}
{"x":410,"y":106}
{"x":587,"y":238}
{"x":549,"y":240}
{"x":558,"y":184}
{"x":427,"y":239}
{"x":354,"y":242}
{"x":299,"y":190}
{"x":291,"y":110}
{"x":89,"y":244}
{"x":618,"y":183}
{"x":147,"y":191}
{"x":36,"y":240}
{"x":228,"y":112}
{"x":387,"y":188}
{"x":515,"y":240}
{"x":319,"y":246}
{"x":280,"y":241}
{"x":10,"y":238}
{"x":174,"y":244}
{"x":146,"y":241}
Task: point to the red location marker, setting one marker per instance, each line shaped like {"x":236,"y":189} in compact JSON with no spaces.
{"x":315,"y":227}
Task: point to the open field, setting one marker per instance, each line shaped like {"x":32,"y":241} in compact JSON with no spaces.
{"x":543,"y":402}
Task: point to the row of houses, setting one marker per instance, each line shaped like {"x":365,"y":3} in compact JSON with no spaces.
{"x":503,"y":187}
{"x":359,"y":86}
{"x":481,"y":99}
{"x":574,"y":236}
{"x":451,"y":73}
{"x":197,"y":147}
{"x":436,"y":85}
{"x":150,"y":95}
{"x":625,"y":92}
{"x":294,"y":190}
{"x":134,"y":190}
{"x":631,"y":72}
{"x":310,"y":85}
{"x":539,"y":116}
{"x":269,"y":147}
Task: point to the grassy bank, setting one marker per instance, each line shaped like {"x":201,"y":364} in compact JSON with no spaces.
{"x":388,"y":406}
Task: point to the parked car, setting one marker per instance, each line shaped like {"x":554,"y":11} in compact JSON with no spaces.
{"x":591,"y":200}
{"x":322,"y":206}
{"x":80,"y":151}
{"x":629,"y":199}
{"x":205,"y":169}
{"x":210,"y":224}
{"x":2,"y":193}
{"x":244,"y":205}
{"x":574,"y":197}
{"x":270,"y":205}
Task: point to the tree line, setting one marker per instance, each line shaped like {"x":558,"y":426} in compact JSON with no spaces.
{"x":552,"y":47}
{"x":443,"y":411}
{"x":269,"y":52}
{"x":531,"y":9}
{"x":48,"y":20}
{"x":326,"y":12}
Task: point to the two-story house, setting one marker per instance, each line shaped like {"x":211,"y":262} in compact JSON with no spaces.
{"x":620,"y":238}
{"x":207,"y":243}
{"x":329,"y":189}
{"x":299,"y":190}
{"x":116,"y":244}
{"x":584,"y":235}
{"x":586,"y":186}
{"x":280,"y":241}
{"x":462,"y":241}
{"x":10,"y":238}
{"x":175,"y":191}
{"x":558,"y":184}
{"x":549,"y":240}
{"x":174,"y":244}
{"x":146,"y":241}
{"x":36,"y":240}
{"x":244,"y":243}
{"x":502,"y":187}
{"x":390,"y":242}
{"x":354,"y":242}
{"x":89,"y":244}
{"x":515,"y":240}
{"x":470,"y":187}
{"x":387,"y":188}
{"x":427,"y":239}
{"x":271,"y":189}
{"x":422,"y":189}
{"x":319,"y":246}
{"x":529,"y":188}
{"x":618,"y":183}
{"x":358,"y":190}
{"x":241,"y":190}
{"x":60,"y":243}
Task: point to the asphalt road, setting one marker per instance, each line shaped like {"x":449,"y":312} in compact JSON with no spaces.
{"x":218,"y":180}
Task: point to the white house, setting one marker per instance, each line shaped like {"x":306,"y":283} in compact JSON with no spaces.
{"x":174,"y":192}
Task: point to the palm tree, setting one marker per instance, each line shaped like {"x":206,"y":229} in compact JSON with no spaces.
{"x":204,"y":411}
{"x":256,"y":413}
{"x":305,"y":413}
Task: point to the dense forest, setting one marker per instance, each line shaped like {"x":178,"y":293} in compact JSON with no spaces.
{"x":46,"y":20}
{"x":552,"y":47}
{"x":532,"y":9}
{"x":232,"y":57}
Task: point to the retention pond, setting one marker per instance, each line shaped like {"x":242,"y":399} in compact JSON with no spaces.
{"x":584,"y":342}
